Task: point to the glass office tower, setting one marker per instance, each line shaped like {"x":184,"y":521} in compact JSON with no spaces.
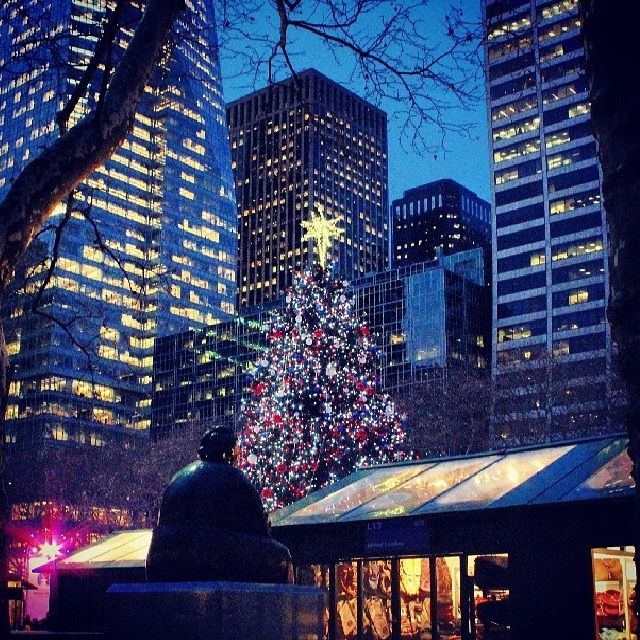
{"x":149,"y":241}
{"x":552,"y":349}
{"x":296,"y":144}
{"x":424,"y":317}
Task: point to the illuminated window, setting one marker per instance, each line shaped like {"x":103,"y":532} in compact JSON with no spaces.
{"x":578,"y":297}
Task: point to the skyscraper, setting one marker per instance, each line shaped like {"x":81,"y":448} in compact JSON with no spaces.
{"x":296,"y":144}
{"x":149,"y":244}
{"x":552,"y":349}
{"x":441,"y":216}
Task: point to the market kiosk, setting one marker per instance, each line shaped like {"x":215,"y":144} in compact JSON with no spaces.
{"x":528,"y":543}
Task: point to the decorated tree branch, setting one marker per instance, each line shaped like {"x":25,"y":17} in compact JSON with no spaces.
{"x":316,"y":411}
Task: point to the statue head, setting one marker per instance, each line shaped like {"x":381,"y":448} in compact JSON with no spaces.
{"x":218,"y":444}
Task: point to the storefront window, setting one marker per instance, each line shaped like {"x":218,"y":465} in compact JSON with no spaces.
{"x":316,"y":575}
{"x":614,"y":576}
{"x":376,"y":599}
{"x":448,"y":589}
{"x":346,"y":590}
{"x":490,"y":575}
{"x":415,"y":608}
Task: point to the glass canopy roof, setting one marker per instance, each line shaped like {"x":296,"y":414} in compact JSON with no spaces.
{"x":587,"y":470}
{"x":120,"y":550}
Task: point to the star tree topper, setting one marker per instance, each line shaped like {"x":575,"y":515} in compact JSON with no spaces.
{"x":323,"y":231}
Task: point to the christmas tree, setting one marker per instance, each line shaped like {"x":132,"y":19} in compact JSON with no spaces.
{"x":315,"y":412}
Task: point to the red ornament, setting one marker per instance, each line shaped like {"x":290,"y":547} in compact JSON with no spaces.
{"x":277,"y":418}
{"x":277,"y":334}
{"x":361,"y":435}
{"x":360,"y":386}
{"x":364,"y":331}
{"x":267,"y":492}
{"x":318,"y":333}
{"x":281,"y":467}
{"x":370,"y":391}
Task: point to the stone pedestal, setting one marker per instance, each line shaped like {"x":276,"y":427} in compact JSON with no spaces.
{"x":207,"y":610}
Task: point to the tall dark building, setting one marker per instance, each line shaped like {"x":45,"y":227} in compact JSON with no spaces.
{"x":295,"y":145}
{"x":441,"y":216}
{"x":552,"y":347}
{"x":163,"y":203}
{"x":425,"y":317}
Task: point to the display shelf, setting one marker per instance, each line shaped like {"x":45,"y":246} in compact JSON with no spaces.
{"x":621,"y":561}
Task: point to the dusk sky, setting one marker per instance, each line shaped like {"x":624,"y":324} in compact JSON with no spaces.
{"x":464,"y":158}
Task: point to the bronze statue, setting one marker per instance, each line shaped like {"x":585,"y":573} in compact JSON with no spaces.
{"x":212,"y":525}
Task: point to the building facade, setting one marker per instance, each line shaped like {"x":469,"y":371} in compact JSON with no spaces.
{"x":438,"y":216}
{"x":295,"y":145}
{"x":424,"y":317}
{"x":551,"y":345}
{"x":149,"y":242}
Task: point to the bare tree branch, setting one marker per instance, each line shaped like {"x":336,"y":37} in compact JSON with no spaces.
{"x":100,"y":53}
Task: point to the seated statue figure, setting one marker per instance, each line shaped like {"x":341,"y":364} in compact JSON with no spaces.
{"x":212,"y":525}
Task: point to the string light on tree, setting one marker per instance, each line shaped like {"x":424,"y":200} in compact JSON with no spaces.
{"x":315,"y":412}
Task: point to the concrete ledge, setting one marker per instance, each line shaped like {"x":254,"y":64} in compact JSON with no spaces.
{"x":220,"y":610}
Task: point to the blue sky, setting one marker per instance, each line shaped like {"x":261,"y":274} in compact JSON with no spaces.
{"x":464,"y":157}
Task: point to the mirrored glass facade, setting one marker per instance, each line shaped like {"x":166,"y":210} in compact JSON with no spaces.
{"x":424,"y":316}
{"x":149,"y":240}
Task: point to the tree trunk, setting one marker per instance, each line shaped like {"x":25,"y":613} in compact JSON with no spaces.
{"x":612,"y":50}
{"x":52,"y":175}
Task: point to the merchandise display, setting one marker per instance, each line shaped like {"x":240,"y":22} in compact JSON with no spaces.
{"x":346,"y":601}
{"x":614,"y":580}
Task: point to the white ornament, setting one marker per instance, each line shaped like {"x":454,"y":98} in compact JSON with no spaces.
{"x":298,"y":319}
{"x":309,"y":340}
{"x":252,"y":458}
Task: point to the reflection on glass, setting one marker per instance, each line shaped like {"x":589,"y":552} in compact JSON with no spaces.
{"x":316,"y":575}
{"x":490,"y":575}
{"x":415,"y":591}
{"x":495,"y":481}
{"x":422,"y":488}
{"x":357,"y":493}
{"x":376,"y":599}
{"x":613,"y":477}
{"x":346,"y":589}
{"x":448,"y":588}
